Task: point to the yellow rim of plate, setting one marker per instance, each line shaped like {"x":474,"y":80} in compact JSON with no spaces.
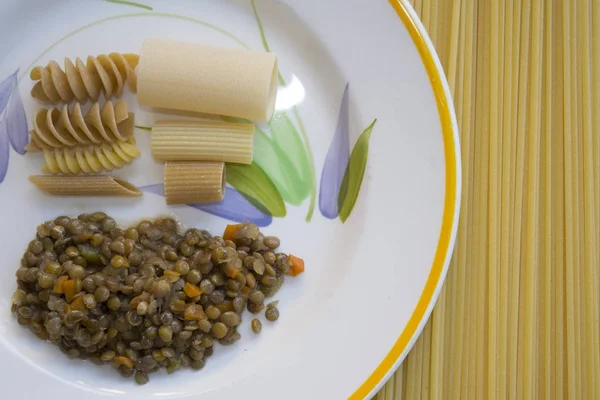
{"x":448,"y":218}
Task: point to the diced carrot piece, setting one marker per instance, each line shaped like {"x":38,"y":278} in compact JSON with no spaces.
{"x":68,"y":287}
{"x":245,"y":290}
{"x":296,"y":264}
{"x":58,"y":284}
{"x":191,"y":290}
{"x":78,"y":304}
{"x":231,"y":271}
{"x":230,"y":231}
{"x":194,"y":312}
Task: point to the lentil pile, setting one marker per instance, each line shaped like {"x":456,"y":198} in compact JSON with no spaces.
{"x":145,"y":297}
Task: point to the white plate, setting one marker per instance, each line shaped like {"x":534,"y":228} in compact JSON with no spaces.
{"x":370,"y":282}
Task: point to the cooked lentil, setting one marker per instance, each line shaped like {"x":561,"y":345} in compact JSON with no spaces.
{"x":118,"y":296}
{"x":256,"y":326}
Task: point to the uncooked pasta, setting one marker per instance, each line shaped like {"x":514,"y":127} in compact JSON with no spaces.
{"x":194,"y":182}
{"x":84,"y":81}
{"x":54,"y":128}
{"x":92,"y":159}
{"x":213,"y":80}
{"x":526,"y":87}
{"x":88,"y":185}
{"x":202,"y":141}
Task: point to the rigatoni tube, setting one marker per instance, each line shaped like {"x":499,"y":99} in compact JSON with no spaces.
{"x":208,"y":79}
{"x":194,"y":182}
{"x":202,"y":141}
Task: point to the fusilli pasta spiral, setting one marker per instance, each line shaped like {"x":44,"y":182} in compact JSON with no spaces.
{"x":89,"y":160}
{"x":81,"y":82}
{"x":56,"y":129}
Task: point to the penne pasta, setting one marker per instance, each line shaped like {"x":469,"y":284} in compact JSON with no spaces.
{"x":202,"y":141}
{"x":96,"y":185}
{"x":194,"y":182}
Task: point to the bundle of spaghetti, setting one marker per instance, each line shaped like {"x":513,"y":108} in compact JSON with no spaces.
{"x":524,"y":298}
{"x":90,"y":159}
{"x":56,"y":129}
{"x":102,"y":74}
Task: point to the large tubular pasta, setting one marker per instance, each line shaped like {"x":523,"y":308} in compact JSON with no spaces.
{"x":202,"y":141}
{"x":213,"y":80}
{"x":56,"y":128}
{"x":81,"y":82}
{"x":91,"y":185}
{"x":92,"y":159}
{"x":194,"y":182}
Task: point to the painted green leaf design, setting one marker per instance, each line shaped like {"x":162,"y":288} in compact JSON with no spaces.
{"x":286,"y":137}
{"x":275,"y":162}
{"x":354,"y":174}
{"x":130,"y":3}
{"x":256,"y":186}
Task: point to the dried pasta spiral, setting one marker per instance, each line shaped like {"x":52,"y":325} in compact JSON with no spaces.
{"x":89,"y":160}
{"x":81,"y":82}
{"x":56,"y":129}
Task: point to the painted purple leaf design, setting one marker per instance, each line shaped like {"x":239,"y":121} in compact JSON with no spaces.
{"x":16,"y":122}
{"x":4,"y":151}
{"x":6,"y":87}
{"x":234,"y":207}
{"x":335,"y":163}
{"x":157,"y":188}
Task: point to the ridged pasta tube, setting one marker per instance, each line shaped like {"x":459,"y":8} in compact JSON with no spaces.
{"x":194,"y":182}
{"x":56,"y":129}
{"x":208,"y":79}
{"x":91,"y":159}
{"x":82,"y":82}
{"x":202,"y":141}
{"x":91,"y":185}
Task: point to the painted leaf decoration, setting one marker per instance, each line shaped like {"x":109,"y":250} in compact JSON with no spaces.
{"x":335,"y":163}
{"x":254,"y":184}
{"x":6,"y":87}
{"x":234,"y":207}
{"x":16,"y":122}
{"x":286,"y":137}
{"x":157,"y":188}
{"x":275,"y":162}
{"x":4,"y":150}
{"x":354,"y":174}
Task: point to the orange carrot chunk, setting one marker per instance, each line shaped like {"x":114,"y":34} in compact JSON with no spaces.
{"x":68,"y":288}
{"x":230,"y":231}
{"x":296,"y":265}
{"x":191,"y":290}
{"x":78,"y":304}
{"x":58,"y":284}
